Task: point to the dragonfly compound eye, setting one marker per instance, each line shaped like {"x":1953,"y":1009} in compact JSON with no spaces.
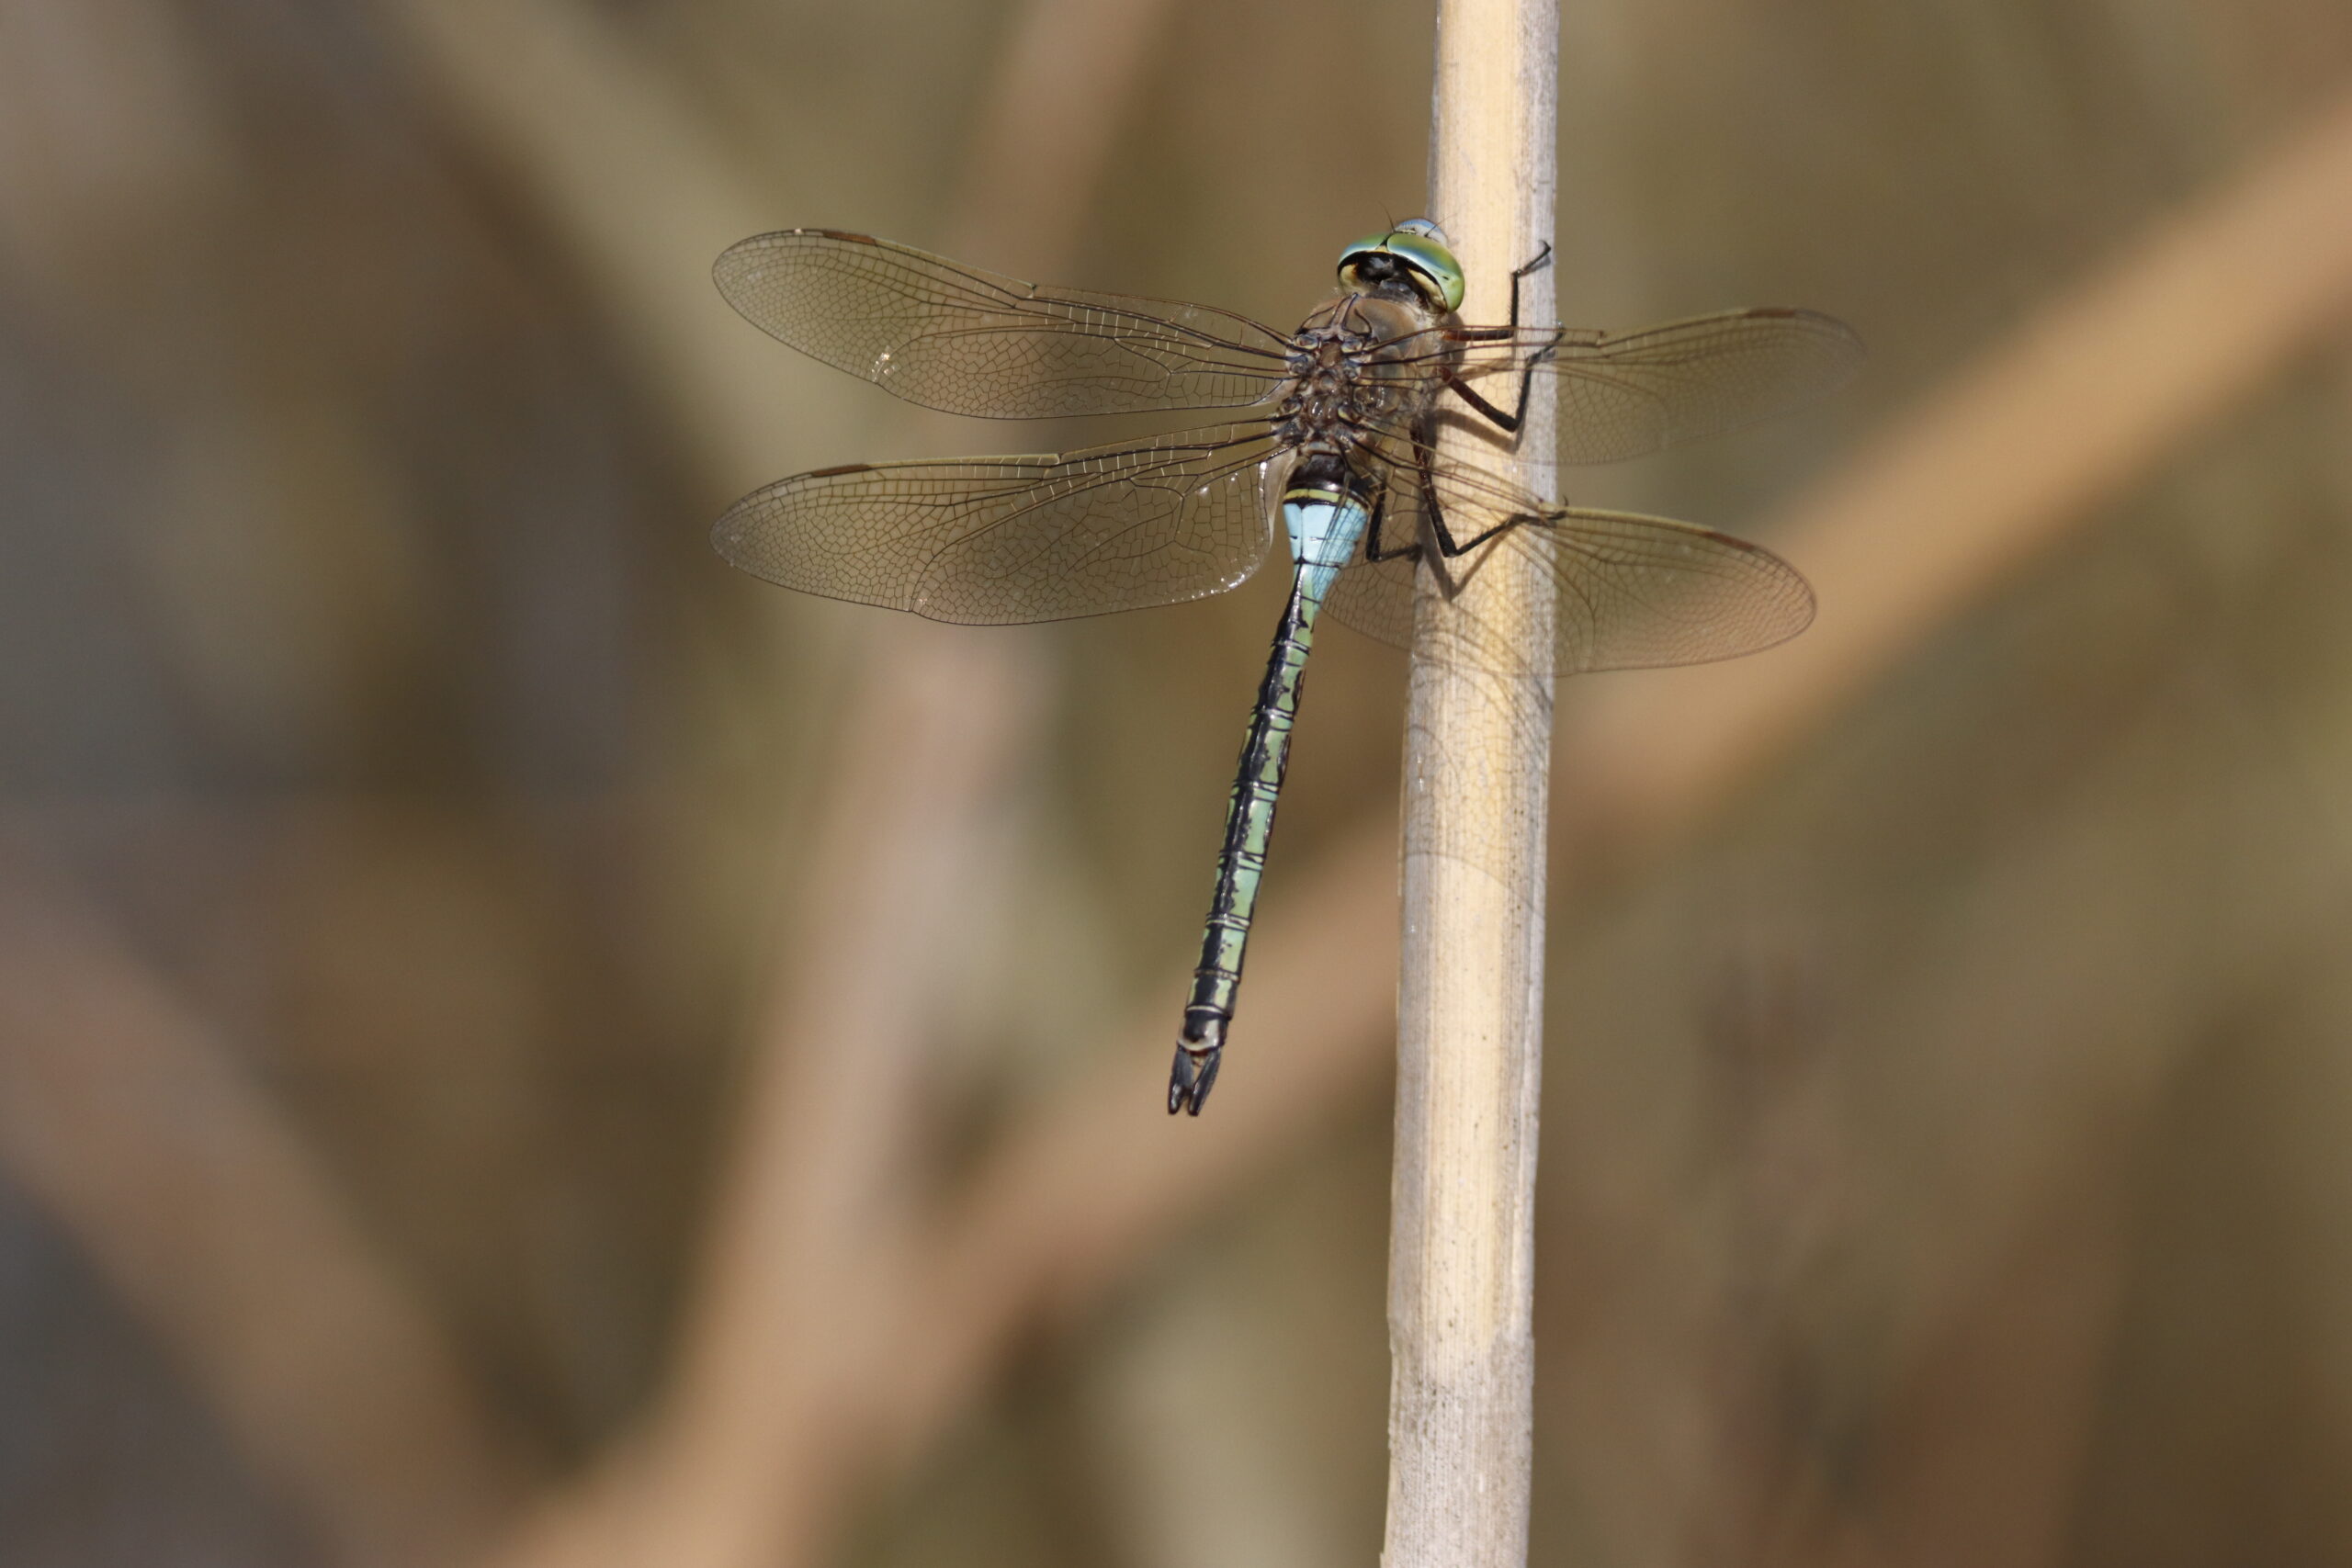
{"x":1419,"y":250}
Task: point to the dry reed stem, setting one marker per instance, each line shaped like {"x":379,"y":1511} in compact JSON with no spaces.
{"x":1470,"y":987}
{"x":176,"y":1176}
{"x":1073,"y":1197}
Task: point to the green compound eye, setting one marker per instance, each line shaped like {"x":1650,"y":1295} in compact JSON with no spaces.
{"x":1422,"y":246}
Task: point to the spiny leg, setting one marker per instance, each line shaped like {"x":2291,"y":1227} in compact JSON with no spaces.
{"x":1543,"y":259}
{"x":1509,"y":422}
{"x":1490,"y":334}
{"x":1512,"y":421}
{"x":1425,"y":459}
{"x":1373,"y":549}
{"x":1449,"y":550}
{"x":1372,"y":527}
{"x":1422,"y":438}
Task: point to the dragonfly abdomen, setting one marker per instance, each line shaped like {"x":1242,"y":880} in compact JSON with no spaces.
{"x":1324,"y":524}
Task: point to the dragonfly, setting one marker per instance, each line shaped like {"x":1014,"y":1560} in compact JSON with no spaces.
{"x":1339,"y":446}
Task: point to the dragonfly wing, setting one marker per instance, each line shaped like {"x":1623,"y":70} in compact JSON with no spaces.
{"x":1639,"y":592}
{"x":1625,"y":395}
{"x":953,"y":337}
{"x":1635,"y":591}
{"x":1003,"y":540}
{"x":1375,"y":598}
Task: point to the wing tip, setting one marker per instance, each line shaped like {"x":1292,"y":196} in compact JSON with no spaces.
{"x":1834,"y":328}
{"x":731,"y":260}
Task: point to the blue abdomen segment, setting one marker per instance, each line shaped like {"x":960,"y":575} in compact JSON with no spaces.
{"x":1324,"y":527}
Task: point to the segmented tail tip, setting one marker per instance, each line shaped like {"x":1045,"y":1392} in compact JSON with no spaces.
{"x":1190,"y":1079}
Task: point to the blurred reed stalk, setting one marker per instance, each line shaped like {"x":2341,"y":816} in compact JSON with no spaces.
{"x":801,"y":1291}
{"x":762,"y":1425}
{"x":1470,"y":990}
{"x":145,"y":1137}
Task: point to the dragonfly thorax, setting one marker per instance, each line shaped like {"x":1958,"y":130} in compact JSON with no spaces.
{"x":1339,"y":387}
{"x":1327,"y":378}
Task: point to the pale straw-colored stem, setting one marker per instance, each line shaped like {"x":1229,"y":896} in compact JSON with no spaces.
{"x":1469,"y":1035}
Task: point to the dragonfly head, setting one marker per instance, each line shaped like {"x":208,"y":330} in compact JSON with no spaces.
{"x":1415,"y":253}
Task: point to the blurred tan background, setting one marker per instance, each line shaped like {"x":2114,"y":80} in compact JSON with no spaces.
{"x":520,"y":1046}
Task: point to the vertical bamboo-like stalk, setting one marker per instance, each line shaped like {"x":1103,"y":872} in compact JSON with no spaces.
{"x":1470,"y":997}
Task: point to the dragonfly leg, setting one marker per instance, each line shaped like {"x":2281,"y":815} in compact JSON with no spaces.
{"x":1446,"y":543}
{"x":1424,"y":439}
{"x":1478,"y":334}
{"x":1434,"y":527}
{"x":1504,"y":334}
{"x":1543,"y":259}
{"x":1509,"y":422}
{"x":1512,"y":420}
{"x":1462,"y":388}
{"x":1373,"y":549}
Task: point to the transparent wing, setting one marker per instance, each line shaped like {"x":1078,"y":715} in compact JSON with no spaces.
{"x":1375,"y":597}
{"x":1002,"y":540}
{"x":1635,"y":591}
{"x":968,"y":342}
{"x":1625,"y":395}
